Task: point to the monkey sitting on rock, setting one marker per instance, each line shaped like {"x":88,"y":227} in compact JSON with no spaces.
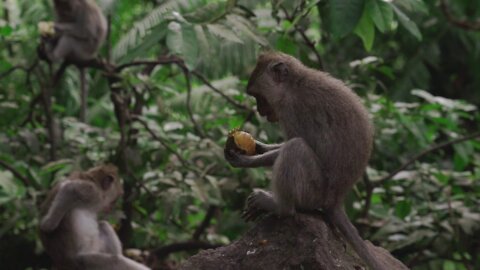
{"x":69,"y":226}
{"x":328,"y":143}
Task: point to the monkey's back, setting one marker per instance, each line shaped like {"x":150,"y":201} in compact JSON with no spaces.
{"x":334,"y":122}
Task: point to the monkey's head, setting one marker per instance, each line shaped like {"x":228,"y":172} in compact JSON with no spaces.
{"x":269,"y":82}
{"x":107,"y":179}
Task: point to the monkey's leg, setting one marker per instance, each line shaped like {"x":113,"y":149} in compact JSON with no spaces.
{"x":103,"y":261}
{"x":63,"y":48}
{"x":296,"y":183}
{"x":70,"y":194}
{"x":110,"y":241}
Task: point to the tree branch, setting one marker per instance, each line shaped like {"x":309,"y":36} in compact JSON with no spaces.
{"x":464,"y":24}
{"x":433,"y":148}
{"x":205,"y":223}
{"x":26,"y":181}
{"x":216,"y":90}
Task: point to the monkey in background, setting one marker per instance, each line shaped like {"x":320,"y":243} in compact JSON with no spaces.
{"x":80,"y":28}
{"x":328,"y":144}
{"x":69,"y":226}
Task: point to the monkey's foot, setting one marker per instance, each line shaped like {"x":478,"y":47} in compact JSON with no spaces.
{"x":259,"y":203}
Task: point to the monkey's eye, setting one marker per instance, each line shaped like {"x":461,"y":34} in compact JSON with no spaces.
{"x":107,"y":182}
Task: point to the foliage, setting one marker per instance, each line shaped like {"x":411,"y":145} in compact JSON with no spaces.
{"x":415,"y":67}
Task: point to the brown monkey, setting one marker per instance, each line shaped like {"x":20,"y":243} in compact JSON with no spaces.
{"x":69,"y":229}
{"x":80,"y":29}
{"x":328,"y":144}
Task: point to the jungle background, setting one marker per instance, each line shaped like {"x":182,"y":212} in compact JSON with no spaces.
{"x":176,"y":85}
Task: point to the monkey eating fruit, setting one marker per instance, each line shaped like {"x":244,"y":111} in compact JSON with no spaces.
{"x":328,"y":143}
{"x":241,"y":141}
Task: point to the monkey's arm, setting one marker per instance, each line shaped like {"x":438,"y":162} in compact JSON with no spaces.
{"x":111,"y":243}
{"x":70,"y":29}
{"x":243,"y":161}
{"x":261,"y":148}
{"x":70,"y":194}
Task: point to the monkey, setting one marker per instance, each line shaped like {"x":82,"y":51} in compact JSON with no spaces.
{"x":328,"y":144}
{"x":69,"y":229}
{"x":80,"y":28}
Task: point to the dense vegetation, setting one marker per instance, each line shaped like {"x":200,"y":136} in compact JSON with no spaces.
{"x":176,"y":88}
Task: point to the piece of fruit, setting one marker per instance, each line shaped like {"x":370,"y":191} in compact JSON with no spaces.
{"x":46,"y":28}
{"x":242,"y":141}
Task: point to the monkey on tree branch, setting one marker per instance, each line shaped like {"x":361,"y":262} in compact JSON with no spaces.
{"x":80,"y":28}
{"x":328,"y":143}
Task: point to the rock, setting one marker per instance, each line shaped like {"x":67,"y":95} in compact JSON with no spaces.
{"x":300,"y":242}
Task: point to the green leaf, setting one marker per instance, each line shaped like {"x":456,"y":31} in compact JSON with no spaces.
{"x":243,"y":25}
{"x":6,"y":31}
{"x":206,"y":14}
{"x":182,"y":40}
{"x":413,"y":5}
{"x":344,"y":16}
{"x":381,"y":13}
{"x":366,"y":30}
{"x":407,"y":23}
{"x":223,"y":32}
{"x":403,"y":208}
{"x":286,"y":45}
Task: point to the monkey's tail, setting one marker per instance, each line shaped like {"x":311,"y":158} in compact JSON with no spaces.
{"x":340,"y":220}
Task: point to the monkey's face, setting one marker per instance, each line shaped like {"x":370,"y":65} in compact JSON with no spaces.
{"x":267,"y":86}
{"x":107,"y":179}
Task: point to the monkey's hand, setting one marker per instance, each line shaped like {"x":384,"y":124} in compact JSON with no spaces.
{"x":236,"y":159}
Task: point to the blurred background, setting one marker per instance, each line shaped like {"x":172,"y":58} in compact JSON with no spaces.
{"x":163,"y":116}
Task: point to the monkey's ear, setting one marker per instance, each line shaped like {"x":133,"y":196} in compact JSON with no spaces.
{"x":106,"y":182}
{"x":280,"y":71}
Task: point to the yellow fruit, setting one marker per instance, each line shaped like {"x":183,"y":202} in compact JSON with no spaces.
{"x":242,"y":140}
{"x":46,"y":28}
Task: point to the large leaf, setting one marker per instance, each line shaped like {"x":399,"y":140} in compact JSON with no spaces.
{"x":206,"y":14}
{"x":344,"y":16}
{"x":366,"y":30}
{"x":181,"y":39}
{"x":223,"y":32}
{"x":381,"y":13}
{"x":406,"y":22}
{"x":244,"y":26}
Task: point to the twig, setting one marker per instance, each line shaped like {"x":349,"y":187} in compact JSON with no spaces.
{"x":205,"y":223}
{"x":467,"y":25}
{"x":368,"y":197}
{"x":433,"y":148}
{"x":216,"y":90}
{"x":162,"y":142}
{"x":304,"y":36}
{"x":26,"y":181}
{"x":159,"y":61}
{"x":186,"y":73}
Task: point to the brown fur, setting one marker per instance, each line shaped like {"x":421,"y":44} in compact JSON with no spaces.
{"x":328,"y":143}
{"x":69,"y":229}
